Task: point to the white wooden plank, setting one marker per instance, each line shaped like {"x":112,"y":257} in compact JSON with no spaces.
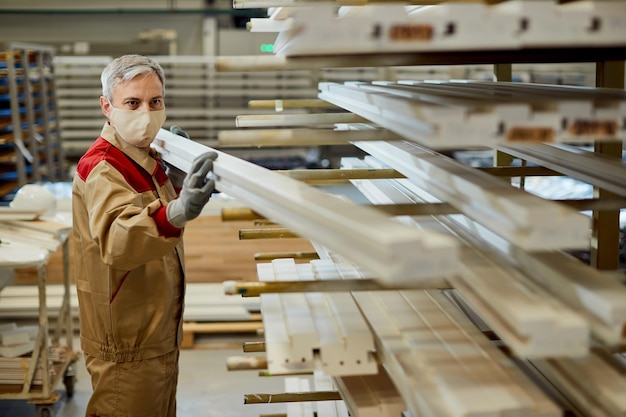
{"x":388,"y":249}
{"x":526,"y":220}
{"x":329,"y":324}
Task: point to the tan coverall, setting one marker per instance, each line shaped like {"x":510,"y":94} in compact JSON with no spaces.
{"x":129,"y":277}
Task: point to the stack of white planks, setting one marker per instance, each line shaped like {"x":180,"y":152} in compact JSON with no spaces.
{"x":510,"y":25}
{"x":525,"y":220}
{"x":442,"y":114}
{"x":308,"y":331}
{"x":509,"y":293}
{"x":441,"y":363}
{"x":13,"y":371}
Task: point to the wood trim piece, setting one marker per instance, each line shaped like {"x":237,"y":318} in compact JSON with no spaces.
{"x":526,"y":220}
{"x":393,"y":252}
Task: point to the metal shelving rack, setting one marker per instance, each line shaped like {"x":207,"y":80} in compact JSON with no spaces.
{"x":609,"y":61}
{"x":30,"y":138}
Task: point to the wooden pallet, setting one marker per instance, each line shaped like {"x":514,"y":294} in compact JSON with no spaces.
{"x":193,"y":329}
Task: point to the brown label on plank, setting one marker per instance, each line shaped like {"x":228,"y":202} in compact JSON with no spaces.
{"x":599,"y":128}
{"x":410,"y":32}
{"x":530,"y":134}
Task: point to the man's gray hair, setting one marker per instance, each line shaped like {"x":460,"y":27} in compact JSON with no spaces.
{"x":126,"y":68}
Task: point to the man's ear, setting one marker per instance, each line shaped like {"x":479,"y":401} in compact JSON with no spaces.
{"x":106,"y":106}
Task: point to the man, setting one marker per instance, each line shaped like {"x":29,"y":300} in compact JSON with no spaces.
{"x":127,"y":232}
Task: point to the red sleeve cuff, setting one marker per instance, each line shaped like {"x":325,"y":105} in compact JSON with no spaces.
{"x":163,"y":224}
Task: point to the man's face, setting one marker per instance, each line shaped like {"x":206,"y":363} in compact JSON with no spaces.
{"x":143,"y":93}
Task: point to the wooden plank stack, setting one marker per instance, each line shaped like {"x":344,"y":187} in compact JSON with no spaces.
{"x":308,"y":331}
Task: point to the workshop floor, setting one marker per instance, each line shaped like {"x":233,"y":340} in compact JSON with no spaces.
{"x":206,"y":388}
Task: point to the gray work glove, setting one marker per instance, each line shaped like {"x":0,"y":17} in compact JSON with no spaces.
{"x":176,"y":175}
{"x":196,"y":191}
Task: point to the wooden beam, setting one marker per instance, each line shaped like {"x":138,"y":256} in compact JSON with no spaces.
{"x":246,"y":363}
{"x":266,"y":233}
{"x":299,"y":137}
{"x":432,"y":113}
{"x":520,"y":217}
{"x":254,"y":289}
{"x":279,"y":105}
{"x":291,"y":397}
{"x":268,"y":256}
{"x":310,"y":119}
{"x":393,"y":252}
{"x":239,"y":213}
{"x":521,"y":171}
{"x":256,"y":347}
{"x":605,"y":233}
{"x":498,"y":293}
{"x":320,"y":175}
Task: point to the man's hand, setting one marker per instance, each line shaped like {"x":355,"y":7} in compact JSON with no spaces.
{"x":176,"y":175}
{"x":196,"y":191}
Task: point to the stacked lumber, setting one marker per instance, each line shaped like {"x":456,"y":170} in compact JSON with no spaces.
{"x":441,"y":363}
{"x":526,"y":277}
{"x":451,"y":26}
{"x":521,"y":218}
{"x":389,"y":250}
{"x":308,"y":331}
{"x":462,"y":114}
{"x":14,"y":370}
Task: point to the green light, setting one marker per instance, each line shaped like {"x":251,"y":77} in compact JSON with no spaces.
{"x":267,"y":47}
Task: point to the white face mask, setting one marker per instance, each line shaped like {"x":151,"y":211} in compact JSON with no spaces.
{"x":137,"y":128}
